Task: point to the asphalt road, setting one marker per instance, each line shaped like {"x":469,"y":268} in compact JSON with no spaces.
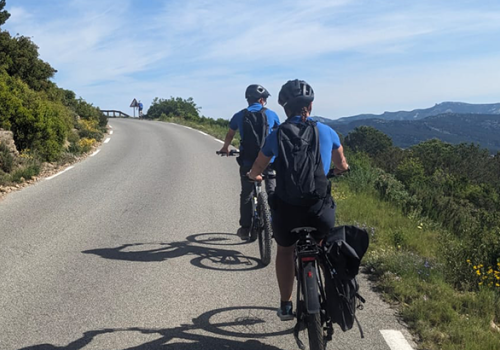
{"x":135,"y":248}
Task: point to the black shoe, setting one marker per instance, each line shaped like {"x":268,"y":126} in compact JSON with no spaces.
{"x":243,"y":233}
{"x":285,"y":312}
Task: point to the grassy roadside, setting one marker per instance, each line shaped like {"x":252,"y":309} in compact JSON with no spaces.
{"x":210,"y":128}
{"x":405,"y":260}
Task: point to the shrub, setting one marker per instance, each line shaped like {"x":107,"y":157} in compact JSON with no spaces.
{"x":392,"y":190}
{"x":174,"y":107}
{"x":36,"y":123}
{"x":85,"y":144}
{"x":363,"y":175}
{"x":6,"y":158}
{"x":26,"y":171}
{"x":89,"y":129}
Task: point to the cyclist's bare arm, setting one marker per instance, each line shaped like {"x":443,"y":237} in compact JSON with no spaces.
{"x":227,"y":141}
{"x":339,"y":161}
{"x":259,"y":166}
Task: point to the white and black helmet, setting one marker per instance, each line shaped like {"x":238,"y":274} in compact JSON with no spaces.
{"x":255,"y":92}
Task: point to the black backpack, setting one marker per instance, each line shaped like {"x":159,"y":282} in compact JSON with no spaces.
{"x":300,"y":179}
{"x":345,"y":247}
{"x":255,"y":131}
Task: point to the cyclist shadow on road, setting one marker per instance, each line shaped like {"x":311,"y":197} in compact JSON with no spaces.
{"x":247,"y":322}
{"x":204,"y":257}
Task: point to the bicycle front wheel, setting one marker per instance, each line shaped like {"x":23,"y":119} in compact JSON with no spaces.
{"x":315,"y":332}
{"x":266,"y":231}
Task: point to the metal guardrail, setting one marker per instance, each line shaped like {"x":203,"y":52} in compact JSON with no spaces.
{"x":110,"y":113}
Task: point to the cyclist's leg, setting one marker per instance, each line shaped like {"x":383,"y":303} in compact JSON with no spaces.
{"x":245,"y":198}
{"x":323,"y":218}
{"x":285,"y":271}
{"x":286,"y":217}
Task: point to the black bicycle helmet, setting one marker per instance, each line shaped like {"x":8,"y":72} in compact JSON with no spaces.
{"x":296,"y":94}
{"x":255,"y":92}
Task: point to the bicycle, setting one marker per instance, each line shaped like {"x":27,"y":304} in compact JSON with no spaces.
{"x":311,"y":263}
{"x":260,"y":227}
{"x":311,"y":310}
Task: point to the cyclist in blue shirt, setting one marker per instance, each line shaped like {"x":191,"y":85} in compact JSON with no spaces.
{"x":296,"y":97}
{"x":141,"y":106}
{"x":256,"y":96}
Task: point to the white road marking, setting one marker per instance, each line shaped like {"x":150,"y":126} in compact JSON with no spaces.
{"x":59,"y":173}
{"x":111,"y":132}
{"x":396,"y":340}
{"x":107,"y":140}
{"x":203,"y":133}
{"x":219,"y":141}
{"x":93,"y":154}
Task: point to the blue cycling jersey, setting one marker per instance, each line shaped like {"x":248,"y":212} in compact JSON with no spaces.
{"x":328,"y":141}
{"x":236,"y":122}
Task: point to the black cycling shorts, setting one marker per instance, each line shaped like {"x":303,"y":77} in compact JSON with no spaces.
{"x":286,"y":217}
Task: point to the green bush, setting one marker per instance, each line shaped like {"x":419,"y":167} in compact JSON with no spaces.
{"x":392,"y":190}
{"x":6,"y":158}
{"x":25,"y":172}
{"x":363,"y":175}
{"x":37,"y":124}
{"x":174,"y":107}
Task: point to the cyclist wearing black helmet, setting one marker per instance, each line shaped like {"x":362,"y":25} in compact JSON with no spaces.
{"x":254,"y":123}
{"x":304,"y":151}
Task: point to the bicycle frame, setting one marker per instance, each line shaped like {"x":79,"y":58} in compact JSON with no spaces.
{"x":257,"y":188}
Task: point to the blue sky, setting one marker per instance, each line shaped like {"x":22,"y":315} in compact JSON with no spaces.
{"x":360,"y":56}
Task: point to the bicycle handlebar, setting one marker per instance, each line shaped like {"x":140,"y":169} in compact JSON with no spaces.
{"x":245,"y":177}
{"x":331,"y":174}
{"x":233,"y":152}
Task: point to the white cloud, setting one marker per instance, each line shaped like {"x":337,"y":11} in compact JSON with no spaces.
{"x":361,"y":56}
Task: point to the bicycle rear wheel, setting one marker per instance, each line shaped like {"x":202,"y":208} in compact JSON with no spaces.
{"x":315,"y":332}
{"x":265,"y":231}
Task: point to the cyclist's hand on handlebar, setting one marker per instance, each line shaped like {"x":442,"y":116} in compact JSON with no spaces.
{"x":337,"y":172}
{"x":257,"y":178}
{"x":224,"y":151}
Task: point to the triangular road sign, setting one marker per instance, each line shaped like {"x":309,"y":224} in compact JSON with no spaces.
{"x":134,"y":103}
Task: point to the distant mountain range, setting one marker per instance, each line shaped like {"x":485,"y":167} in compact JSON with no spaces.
{"x":453,"y":122}
{"x":440,"y":108}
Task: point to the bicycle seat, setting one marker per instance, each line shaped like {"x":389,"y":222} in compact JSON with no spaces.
{"x":304,"y":229}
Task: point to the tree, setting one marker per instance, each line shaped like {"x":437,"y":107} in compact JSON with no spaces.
{"x":20,"y":59}
{"x":4,"y":15}
{"x":369,"y":140}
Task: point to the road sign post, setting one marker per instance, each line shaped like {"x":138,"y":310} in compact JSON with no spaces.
{"x":134,"y":105}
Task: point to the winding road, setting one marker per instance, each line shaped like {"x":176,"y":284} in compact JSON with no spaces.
{"x":135,"y":248}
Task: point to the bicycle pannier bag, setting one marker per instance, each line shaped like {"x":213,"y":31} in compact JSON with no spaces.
{"x":344,"y":247}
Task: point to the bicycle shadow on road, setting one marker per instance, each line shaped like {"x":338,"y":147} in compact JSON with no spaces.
{"x":217,"y":239}
{"x":204,"y":257}
{"x":237,"y":322}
